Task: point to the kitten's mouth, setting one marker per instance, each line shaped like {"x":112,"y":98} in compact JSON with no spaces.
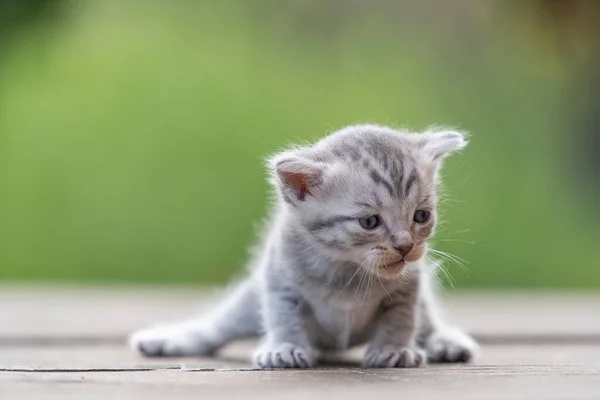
{"x":393,"y":268}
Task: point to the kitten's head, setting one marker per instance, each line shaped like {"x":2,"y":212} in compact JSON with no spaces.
{"x":366,"y":194}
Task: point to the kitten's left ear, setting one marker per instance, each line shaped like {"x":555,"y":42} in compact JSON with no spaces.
{"x":437,"y":145}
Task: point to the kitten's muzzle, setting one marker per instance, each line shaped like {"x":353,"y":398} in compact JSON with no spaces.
{"x":404,"y":249}
{"x":402,"y":242}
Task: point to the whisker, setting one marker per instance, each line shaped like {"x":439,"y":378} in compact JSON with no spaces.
{"x":447,"y":275}
{"x":335,"y":275}
{"x":454,"y":258}
{"x":443,"y":233}
{"x":459,"y":261}
{"x":386,"y":294}
{"x":360,"y":283}
{"x":352,"y":277}
{"x":454,"y":240}
{"x":309,"y":247}
{"x":369,"y":263}
{"x":461,"y":182}
{"x":369,"y":288}
{"x":439,"y":266}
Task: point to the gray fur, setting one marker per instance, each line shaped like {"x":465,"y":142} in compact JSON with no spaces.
{"x":380,"y":180}
{"x":412,"y":179}
{"x":321,"y":282}
{"x":329,"y":222}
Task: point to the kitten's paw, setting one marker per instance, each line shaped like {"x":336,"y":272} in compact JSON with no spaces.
{"x":172,"y":342}
{"x":284,"y":355}
{"x":450,"y":345}
{"x":394,"y":357}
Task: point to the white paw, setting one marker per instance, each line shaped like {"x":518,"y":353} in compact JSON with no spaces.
{"x":284,"y":355}
{"x":172,"y":341}
{"x":450,"y":345}
{"x":394,"y":357}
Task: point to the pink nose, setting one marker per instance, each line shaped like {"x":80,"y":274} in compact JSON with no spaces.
{"x":404,"y":249}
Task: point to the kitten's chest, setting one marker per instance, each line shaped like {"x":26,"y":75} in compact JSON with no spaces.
{"x":343,"y":321}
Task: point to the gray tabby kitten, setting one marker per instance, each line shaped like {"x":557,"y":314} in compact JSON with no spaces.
{"x":342,"y":263}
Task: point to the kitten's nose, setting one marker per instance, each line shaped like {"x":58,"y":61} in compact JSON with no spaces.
{"x":404,"y":249}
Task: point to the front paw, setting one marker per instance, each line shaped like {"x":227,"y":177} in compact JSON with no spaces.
{"x":450,"y":345}
{"x":284,"y":355}
{"x":394,"y":357}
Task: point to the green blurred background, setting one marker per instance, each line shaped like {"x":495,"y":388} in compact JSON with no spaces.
{"x":132,"y":132}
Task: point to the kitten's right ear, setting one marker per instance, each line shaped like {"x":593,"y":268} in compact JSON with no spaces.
{"x":295,"y":175}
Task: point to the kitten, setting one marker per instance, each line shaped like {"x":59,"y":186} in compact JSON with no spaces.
{"x":342,"y":263}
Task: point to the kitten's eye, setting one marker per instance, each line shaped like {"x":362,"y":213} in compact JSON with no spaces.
{"x":421,"y":216}
{"x":369,"y":223}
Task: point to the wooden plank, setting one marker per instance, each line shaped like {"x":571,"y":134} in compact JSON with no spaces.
{"x":501,"y":382}
{"x":115,"y":311}
{"x":238,"y":355}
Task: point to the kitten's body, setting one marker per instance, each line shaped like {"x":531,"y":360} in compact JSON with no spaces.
{"x":322,"y":281}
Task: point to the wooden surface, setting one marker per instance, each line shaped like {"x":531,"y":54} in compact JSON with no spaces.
{"x":68,"y":342}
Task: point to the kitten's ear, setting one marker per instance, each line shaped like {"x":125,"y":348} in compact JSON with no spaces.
{"x":296,"y":176}
{"x":439,"y":144}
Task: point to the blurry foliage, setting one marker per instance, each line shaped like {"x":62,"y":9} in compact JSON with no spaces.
{"x":572,"y":28}
{"x":132,"y":132}
{"x":18,"y":14}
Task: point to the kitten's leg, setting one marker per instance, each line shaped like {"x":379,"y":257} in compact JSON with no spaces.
{"x":441,"y":342}
{"x":286,"y":343}
{"x":235,"y":318}
{"x":393,"y":345}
